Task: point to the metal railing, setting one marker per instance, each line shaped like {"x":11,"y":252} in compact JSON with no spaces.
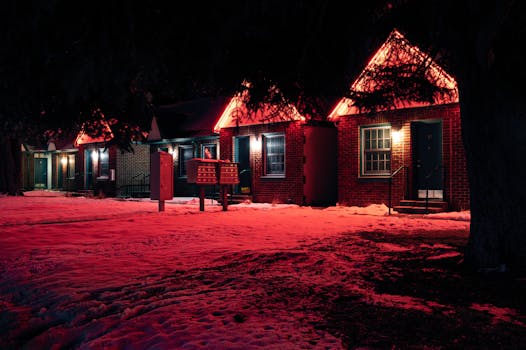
{"x":428,"y":176}
{"x":139,"y":185}
{"x":393,"y":174}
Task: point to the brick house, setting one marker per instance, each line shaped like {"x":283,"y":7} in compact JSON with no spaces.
{"x":132,"y":171}
{"x":282,"y":157}
{"x":186,"y":130}
{"x":406,"y":156}
{"x":95,"y":161}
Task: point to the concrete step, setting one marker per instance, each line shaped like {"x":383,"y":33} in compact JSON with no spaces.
{"x":236,"y":198}
{"x":406,"y":209}
{"x":422,"y":203}
{"x":417,"y":210}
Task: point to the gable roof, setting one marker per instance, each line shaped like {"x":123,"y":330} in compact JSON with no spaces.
{"x":237,"y":114}
{"x":395,"y":51}
{"x":192,"y":118}
{"x":105,"y":133}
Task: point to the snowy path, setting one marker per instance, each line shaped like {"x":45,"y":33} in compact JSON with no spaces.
{"x":92,"y":274}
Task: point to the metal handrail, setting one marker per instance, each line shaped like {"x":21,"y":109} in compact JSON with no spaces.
{"x":137,"y":183}
{"x":427,"y":177}
{"x":393,"y":174}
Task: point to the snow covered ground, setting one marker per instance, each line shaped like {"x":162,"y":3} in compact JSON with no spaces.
{"x":94,"y":273}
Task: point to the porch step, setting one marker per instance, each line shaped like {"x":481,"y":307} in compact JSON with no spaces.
{"x":419,"y":207}
{"x":82,"y":193}
{"x":235,"y":198}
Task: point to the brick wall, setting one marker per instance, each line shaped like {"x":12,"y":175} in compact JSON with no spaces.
{"x":355,"y":191}
{"x":266,"y":190}
{"x":132,"y":170}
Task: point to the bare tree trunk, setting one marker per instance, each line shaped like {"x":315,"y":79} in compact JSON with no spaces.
{"x":10,"y":166}
{"x":494,"y":131}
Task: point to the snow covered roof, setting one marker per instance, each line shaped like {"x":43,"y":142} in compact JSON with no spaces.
{"x":236,"y":114}
{"x":397,"y":51}
{"x":103,"y":133}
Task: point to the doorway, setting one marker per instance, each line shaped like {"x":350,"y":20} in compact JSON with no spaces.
{"x":88,"y":169}
{"x":242,"y":157}
{"x":428,"y":172}
{"x":40,"y":172}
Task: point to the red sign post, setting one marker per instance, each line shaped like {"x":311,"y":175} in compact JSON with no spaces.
{"x":161,"y":177}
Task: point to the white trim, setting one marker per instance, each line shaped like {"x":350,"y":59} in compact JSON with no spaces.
{"x":270,"y":136}
{"x":379,"y":174}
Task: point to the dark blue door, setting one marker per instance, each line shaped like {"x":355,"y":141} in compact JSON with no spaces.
{"x":427,"y":158}
{"x":242,"y":156}
{"x":88,"y":170}
{"x":40,"y":172}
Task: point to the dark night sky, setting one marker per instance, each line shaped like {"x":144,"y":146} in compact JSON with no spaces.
{"x":61,"y":57}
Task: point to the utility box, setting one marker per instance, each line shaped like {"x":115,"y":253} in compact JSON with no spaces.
{"x":228,"y":174}
{"x":201,"y":171}
{"x":211,"y":172}
{"x":161,"y":176}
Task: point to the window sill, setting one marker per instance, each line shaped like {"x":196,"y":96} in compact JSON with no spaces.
{"x":273,"y":177}
{"x":372,"y":178}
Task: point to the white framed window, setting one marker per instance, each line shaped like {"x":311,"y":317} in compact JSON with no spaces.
{"x":104,"y":163}
{"x":209,"y":151}
{"x":70,"y":166}
{"x":375,"y":148}
{"x":185,"y":153}
{"x":274,"y":155}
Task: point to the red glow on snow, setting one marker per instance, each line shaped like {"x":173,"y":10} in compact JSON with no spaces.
{"x":113,"y":274}
{"x":392,"y":54}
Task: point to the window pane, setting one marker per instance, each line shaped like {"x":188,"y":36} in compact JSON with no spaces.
{"x":209,"y":151}
{"x":376,"y":152}
{"x":185,"y":153}
{"x":71,"y":165}
{"x":275,"y":155}
{"x":104,"y":163}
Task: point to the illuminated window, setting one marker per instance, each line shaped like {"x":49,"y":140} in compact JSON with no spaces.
{"x":70,"y":170}
{"x":274,"y":154}
{"x":209,"y":151}
{"x":185,"y":153}
{"x":104,"y":163}
{"x":375,"y":150}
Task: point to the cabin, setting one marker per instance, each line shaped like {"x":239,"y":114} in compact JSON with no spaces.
{"x":96,"y":161}
{"x":49,"y":166}
{"x":410,"y":158}
{"x":186,"y":130}
{"x":282,"y":156}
